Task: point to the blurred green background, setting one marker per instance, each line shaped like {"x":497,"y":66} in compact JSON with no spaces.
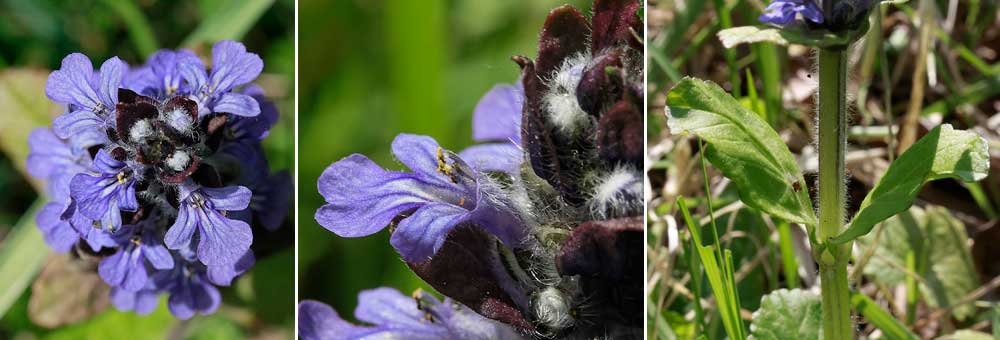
{"x":369,"y":70}
{"x":34,"y":37}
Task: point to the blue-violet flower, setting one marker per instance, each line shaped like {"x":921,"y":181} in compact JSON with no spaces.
{"x":159,"y":170}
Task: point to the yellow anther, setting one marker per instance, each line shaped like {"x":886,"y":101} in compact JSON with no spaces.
{"x":122,"y":177}
{"x":444,"y":168}
{"x":422,"y":305}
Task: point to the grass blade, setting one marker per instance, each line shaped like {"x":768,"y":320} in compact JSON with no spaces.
{"x":720,"y":277}
{"x":139,"y":29}
{"x":788,"y":261}
{"x":231,"y":22}
{"x":880,"y":318}
{"x":22,"y":254}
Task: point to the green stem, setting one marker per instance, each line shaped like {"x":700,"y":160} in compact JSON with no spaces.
{"x":832,"y":147}
{"x":836,"y":301}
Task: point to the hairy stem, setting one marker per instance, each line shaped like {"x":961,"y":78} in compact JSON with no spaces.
{"x":832,"y":148}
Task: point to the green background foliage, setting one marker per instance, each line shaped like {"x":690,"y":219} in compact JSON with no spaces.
{"x":34,"y":37}
{"x":372,"y":69}
{"x":946,"y":263}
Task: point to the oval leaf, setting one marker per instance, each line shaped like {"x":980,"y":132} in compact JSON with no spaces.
{"x":743,"y":147}
{"x":943,"y":153}
{"x":732,"y":37}
{"x":788,"y":314}
{"x":939,"y":244}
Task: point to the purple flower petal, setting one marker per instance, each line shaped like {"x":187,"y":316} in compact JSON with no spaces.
{"x":810,"y":11}
{"x":362,"y":198}
{"x":224,"y":275}
{"x":124,"y":269}
{"x":497,"y":117}
{"x":193,"y":72}
{"x":112,"y":72}
{"x":57,"y":233}
{"x":271,"y":200}
{"x":50,"y":158}
{"x":421,"y":234}
{"x":100,"y":197}
{"x":90,"y":193}
{"x":181,"y":233}
{"x":318,"y":321}
{"x":95,"y":235}
{"x":420,"y":154}
{"x":72,"y":82}
{"x":237,"y":104}
{"x":164,"y":68}
{"x":782,"y":12}
{"x":82,"y":127}
{"x":387,"y":307}
{"x":154,"y":252}
{"x":231,"y":198}
{"x":392,"y":315}
{"x":233,"y":66}
{"x":501,"y":157}
{"x":142,"y":302}
{"x":222,"y":240}
{"x":193,"y":295}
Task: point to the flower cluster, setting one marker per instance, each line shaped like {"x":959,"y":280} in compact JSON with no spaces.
{"x":782,"y":12}
{"x":159,"y":170}
{"x":538,"y":225}
{"x":844,"y":14}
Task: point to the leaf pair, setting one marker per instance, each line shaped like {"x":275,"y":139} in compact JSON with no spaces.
{"x":754,"y":157}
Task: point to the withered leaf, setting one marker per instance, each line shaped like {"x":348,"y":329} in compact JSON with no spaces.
{"x":67,"y":291}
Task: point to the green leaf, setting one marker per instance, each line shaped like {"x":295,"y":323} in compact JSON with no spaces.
{"x":21,"y":256}
{"x":271,"y":278}
{"x":230,"y":22}
{"x":114,"y":324}
{"x":944,"y":267}
{"x":215,"y":327}
{"x":743,"y":147}
{"x":874,"y":313}
{"x":732,"y":37}
{"x":943,"y":153}
{"x":788,"y":314}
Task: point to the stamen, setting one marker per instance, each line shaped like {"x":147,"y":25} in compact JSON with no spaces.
{"x":444,"y":168}
{"x":197,"y":201}
{"x":122,"y":177}
{"x":423,"y":305}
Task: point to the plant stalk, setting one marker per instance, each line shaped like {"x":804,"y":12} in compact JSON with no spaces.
{"x":832,"y":148}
